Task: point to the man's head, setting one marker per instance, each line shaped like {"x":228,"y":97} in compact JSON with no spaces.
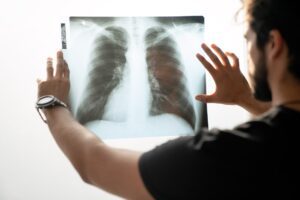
{"x":263,"y":17}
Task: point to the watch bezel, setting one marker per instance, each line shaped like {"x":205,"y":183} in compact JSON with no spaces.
{"x":47,"y":104}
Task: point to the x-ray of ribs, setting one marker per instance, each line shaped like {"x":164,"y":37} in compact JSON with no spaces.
{"x":167,"y":80}
{"x":106,"y":71}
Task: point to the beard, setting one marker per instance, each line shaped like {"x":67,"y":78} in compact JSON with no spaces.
{"x":260,"y":83}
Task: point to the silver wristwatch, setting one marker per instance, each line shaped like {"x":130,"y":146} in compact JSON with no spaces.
{"x":48,"y":101}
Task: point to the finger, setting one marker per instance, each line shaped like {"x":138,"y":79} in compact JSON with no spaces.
{"x":206,"y":64}
{"x":212,"y":56}
{"x":66,"y":70}
{"x":221,"y":54}
{"x":235,"y":60}
{"x":59,"y":64}
{"x":206,"y":98}
{"x":49,"y":68}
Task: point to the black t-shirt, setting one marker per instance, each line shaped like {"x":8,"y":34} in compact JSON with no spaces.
{"x":256,"y":160}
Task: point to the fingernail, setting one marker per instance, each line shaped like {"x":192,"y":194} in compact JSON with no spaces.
{"x":214,"y":46}
{"x":59,"y":53}
{"x":201,"y":58}
{"x":199,"y":55}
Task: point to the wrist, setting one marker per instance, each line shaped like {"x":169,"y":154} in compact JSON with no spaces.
{"x":48,"y":103}
{"x":58,"y":118}
{"x":51,"y":114}
{"x":253,"y":105}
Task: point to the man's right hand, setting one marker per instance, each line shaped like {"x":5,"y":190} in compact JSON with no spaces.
{"x":231,"y":85}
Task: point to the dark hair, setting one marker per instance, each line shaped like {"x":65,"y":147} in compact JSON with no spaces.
{"x":282,"y":15}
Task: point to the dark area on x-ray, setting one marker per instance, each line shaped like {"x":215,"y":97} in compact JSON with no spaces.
{"x":167,"y":81}
{"x":165,"y":70}
{"x":107,"y":65}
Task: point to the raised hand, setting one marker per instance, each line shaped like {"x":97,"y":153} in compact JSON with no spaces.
{"x":57,"y":83}
{"x":231,"y":85}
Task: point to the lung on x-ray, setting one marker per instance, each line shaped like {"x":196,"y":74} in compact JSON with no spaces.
{"x":136,"y":76}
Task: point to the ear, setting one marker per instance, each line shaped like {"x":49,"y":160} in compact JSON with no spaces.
{"x":275,"y":45}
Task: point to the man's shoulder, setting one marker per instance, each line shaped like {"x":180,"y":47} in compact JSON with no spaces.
{"x":257,"y":131}
{"x":275,"y":122}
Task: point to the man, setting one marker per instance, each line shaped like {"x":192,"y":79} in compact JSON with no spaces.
{"x":256,"y":160}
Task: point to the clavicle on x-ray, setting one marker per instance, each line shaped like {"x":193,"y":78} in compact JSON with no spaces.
{"x":136,"y":76}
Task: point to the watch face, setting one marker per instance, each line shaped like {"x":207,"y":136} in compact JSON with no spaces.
{"x":45,"y":100}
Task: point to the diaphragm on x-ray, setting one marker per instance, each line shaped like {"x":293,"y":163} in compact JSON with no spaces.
{"x":136,"y":76}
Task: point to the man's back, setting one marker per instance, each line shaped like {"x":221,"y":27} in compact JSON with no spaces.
{"x":256,"y":159}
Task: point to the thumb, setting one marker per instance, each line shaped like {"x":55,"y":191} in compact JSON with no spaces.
{"x":205,"y":98}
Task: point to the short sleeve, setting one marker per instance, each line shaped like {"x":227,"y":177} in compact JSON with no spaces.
{"x":204,"y":166}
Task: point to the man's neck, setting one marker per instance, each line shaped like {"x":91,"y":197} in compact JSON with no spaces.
{"x":287,"y":93}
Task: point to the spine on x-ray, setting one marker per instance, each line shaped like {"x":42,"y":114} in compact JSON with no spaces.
{"x":106,"y":71}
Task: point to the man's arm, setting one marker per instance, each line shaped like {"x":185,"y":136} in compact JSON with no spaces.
{"x":114,"y":170}
{"x":231,"y":86}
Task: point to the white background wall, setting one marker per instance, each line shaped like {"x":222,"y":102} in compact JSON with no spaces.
{"x":31,"y":165}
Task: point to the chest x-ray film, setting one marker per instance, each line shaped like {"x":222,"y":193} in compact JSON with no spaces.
{"x":136,"y":76}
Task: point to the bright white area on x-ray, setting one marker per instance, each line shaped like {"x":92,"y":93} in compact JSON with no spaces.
{"x":127,"y":110}
{"x":32,"y":167}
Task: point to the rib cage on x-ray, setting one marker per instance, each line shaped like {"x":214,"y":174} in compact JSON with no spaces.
{"x":106,"y":72}
{"x":165,"y":74}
